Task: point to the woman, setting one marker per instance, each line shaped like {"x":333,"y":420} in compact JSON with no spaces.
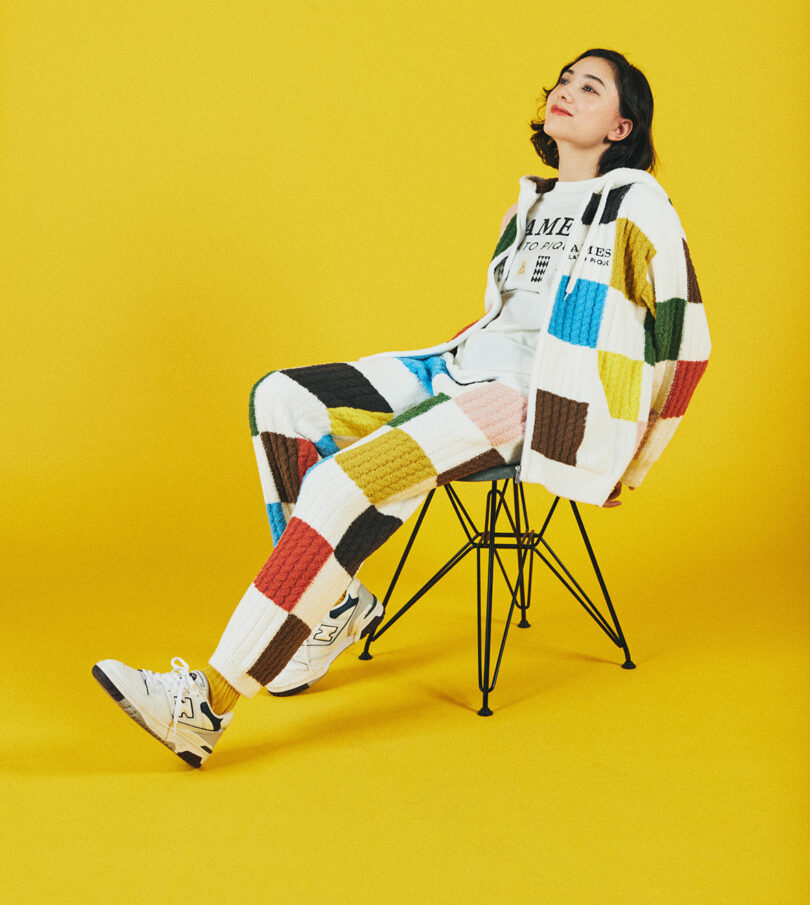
{"x":593,"y":339}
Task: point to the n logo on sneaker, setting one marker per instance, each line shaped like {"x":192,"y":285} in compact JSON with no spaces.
{"x":326,"y":633}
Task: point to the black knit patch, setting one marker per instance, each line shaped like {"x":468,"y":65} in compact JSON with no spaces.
{"x":339,"y":384}
{"x":370,"y":530}
{"x":609,"y":214}
{"x":614,"y":200}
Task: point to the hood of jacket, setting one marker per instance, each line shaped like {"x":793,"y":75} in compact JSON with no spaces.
{"x":532,"y":186}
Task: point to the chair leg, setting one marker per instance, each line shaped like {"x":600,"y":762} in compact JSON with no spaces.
{"x":366,"y":655}
{"x":621,"y":641}
{"x":484,"y":652}
{"x":523,"y":536}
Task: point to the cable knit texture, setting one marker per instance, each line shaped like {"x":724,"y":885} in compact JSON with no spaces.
{"x":333,"y":499}
{"x":625,"y":344}
{"x":347,"y":450}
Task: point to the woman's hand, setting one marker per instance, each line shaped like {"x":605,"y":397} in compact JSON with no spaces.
{"x":613,"y":499}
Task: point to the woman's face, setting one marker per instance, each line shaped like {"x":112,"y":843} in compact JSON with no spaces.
{"x":583,"y":107}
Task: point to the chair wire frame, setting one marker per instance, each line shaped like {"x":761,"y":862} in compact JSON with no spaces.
{"x":487,"y":544}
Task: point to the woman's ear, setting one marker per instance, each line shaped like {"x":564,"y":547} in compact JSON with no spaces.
{"x":621,"y":131}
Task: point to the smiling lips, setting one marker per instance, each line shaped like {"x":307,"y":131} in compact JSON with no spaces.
{"x":556,"y":109}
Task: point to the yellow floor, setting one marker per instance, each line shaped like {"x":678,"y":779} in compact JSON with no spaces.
{"x":684,"y":781}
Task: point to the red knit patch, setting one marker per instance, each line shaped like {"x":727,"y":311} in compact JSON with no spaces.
{"x":687,"y":375}
{"x":307,"y":456}
{"x":464,"y":328}
{"x":296,"y":560}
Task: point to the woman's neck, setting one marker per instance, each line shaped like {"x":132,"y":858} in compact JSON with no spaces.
{"x":575,"y":164}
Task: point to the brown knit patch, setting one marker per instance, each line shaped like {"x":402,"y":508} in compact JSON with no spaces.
{"x":543,"y":185}
{"x":692,"y":288}
{"x":282,"y":457}
{"x":277,"y":654}
{"x":489,"y":459}
{"x":559,"y":427}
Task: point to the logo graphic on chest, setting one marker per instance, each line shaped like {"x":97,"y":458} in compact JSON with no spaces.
{"x":540,"y":268}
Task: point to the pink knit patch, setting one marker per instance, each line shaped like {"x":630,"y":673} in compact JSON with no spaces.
{"x":497,"y":410}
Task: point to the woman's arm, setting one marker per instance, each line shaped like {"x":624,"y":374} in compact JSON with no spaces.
{"x":678,"y":346}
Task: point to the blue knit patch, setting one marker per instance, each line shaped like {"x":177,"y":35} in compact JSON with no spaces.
{"x":326,"y":446}
{"x":577,"y":318}
{"x":275,"y":515}
{"x":426,"y":369}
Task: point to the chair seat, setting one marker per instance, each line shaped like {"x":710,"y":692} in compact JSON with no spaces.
{"x":498,"y":473}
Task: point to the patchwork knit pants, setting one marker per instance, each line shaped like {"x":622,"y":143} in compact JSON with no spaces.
{"x":346,"y":452}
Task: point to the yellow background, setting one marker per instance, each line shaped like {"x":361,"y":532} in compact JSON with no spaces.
{"x":195,"y":193}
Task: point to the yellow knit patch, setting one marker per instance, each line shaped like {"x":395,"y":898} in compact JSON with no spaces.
{"x":386,"y":465}
{"x":621,"y":380}
{"x":632,"y":254}
{"x":356,"y":423}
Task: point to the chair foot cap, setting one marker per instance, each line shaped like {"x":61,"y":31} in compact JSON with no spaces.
{"x":628,"y":664}
{"x":365,"y":656}
{"x":485,"y":711}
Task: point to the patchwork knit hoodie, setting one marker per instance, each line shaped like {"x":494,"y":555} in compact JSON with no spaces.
{"x":624,"y":343}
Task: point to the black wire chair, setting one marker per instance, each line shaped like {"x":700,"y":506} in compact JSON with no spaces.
{"x":487,"y":543}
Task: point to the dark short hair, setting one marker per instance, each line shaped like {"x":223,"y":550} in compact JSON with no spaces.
{"x":635,"y":104}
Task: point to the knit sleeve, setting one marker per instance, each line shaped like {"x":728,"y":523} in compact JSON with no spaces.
{"x":677,"y":345}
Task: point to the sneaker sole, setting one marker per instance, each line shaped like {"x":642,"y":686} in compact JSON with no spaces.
{"x":193,"y":760}
{"x":369,"y":629}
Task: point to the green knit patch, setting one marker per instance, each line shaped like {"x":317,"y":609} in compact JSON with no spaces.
{"x":418,"y":409}
{"x":649,"y":338}
{"x":252,"y":409}
{"x":669,"y":328}
{"x":507,"y":237}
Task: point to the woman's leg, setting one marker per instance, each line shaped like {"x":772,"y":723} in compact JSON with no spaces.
{"x":346,"y":505}
{"x":349,"y":503}
{"x":299,"y":416}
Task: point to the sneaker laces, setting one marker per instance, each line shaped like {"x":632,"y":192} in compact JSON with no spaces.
{"x":178,"y":682}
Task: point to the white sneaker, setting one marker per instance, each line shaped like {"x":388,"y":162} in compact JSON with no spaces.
{"x":172,"y":706}
{"x":356,"y":616}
